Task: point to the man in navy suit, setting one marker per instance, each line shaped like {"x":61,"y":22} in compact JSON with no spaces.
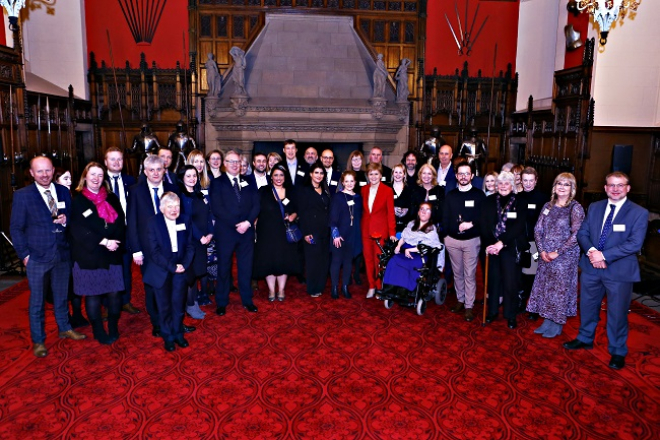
{"x":297,"y":169}
{"x":445,"y":168}
{"x":611,"y":237}
{"x":143,"y":204}
{"x":169,"y":254}
{"x":38,"y":229}
{"x":332,"y":176}
{"x":235,"y":205}
{"x":119,"y":183}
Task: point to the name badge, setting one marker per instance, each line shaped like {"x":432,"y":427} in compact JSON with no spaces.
{"x":469,"y":203}
{"x":285,"y":201}
{"x":363,"y":183}
{"x":396,"y":196}
{"x":546,"y":211}
{"x":350,"y":203}
{"x":333,"y":183}
{"x":301,"y":173}
{"x":244,"y":184}
{"x":511,"y":215}
{"x":433,"y":197}
{"x":443,"y":183}
{"x":206,"y":202}
{"x":61,"y":205}
{"x":205,"y":192}
{"x":180,"y":227}
{"x":382,"y":179}
{"x":531,"y":206}
{"x":87,"y":213}
{"x":619,"y":228}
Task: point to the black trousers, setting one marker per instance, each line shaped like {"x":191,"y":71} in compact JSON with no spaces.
{"x":503,"y":280}
{"x":243,"y":245}
{"x":341,"y":258}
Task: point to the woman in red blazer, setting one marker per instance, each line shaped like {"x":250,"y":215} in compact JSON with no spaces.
{"x":377,"y":220}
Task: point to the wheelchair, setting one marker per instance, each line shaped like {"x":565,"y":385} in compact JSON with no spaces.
{"x":431,"y":286}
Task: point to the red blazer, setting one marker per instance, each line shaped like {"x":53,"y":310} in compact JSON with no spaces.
{"x":380,"y":220}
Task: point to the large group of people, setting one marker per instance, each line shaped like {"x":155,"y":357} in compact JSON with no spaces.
{"x":278,"y":216}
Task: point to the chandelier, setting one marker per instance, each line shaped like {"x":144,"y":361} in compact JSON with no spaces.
{"x":13,"y":7}
{"x":142,"y":17}
{"x":606,"y":12}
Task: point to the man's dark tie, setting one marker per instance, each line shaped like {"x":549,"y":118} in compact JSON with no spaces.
{"x":607,"y":228}
{"x":51,"y":203}
{"x":156,"y":200}
{"x":237,"y":189}
{"x":115,"y":189}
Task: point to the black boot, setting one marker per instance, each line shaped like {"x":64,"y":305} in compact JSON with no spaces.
{"x":345,"y":292}
{"x":113,"y":327}
{"x":76,"y":319}
{"x":335,"y":292}
{"x":99,"y":332}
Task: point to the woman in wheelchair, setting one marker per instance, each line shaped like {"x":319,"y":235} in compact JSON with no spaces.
{"x":402,"y":269}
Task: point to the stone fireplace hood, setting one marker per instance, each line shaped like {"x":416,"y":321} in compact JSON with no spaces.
{"x":308,"y":77}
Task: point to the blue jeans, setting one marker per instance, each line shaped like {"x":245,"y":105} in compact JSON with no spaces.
{"x":60,"y":272}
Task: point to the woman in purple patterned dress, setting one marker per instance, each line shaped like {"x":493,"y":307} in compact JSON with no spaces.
{"x":554,"y":294}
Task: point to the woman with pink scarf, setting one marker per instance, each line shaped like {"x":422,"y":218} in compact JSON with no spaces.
{"x":97,"y":229}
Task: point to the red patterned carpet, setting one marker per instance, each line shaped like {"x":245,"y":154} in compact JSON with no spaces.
{"x":323,"y":369}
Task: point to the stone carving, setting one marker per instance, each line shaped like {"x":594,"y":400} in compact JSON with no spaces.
{"x":213,"y":77}
{"x":238,"y":71}
{"x":380,"y":78}
{"x":401,"y":77}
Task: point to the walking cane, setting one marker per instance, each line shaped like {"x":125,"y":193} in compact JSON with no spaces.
{"x":483,"y":320}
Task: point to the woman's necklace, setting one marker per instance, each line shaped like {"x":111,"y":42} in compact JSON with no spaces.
{"x":351,"y":207}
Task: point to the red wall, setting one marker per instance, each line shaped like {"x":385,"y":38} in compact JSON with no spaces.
{"x":167,"y":45}
{"x":3,"y":37}
{"x":580,"y":23}
{"x":501,"y":28}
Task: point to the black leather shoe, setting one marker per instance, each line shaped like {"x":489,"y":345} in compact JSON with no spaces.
{"x":617,"y":362}
{"x":155,"y":332}
{"x":301,"y":279}
{"x":490,"y":318}
{"x":251,"y":308}
{"x":181,"y":342}
{"x":533,"y":316}
{"x":512,"y":323}
{"x":576,"y":344}
{"x":345,"y":292}
{"x":169,"y":346}
{"x":221,"y":311}
{"x":188,"y":328}
{"x":233,"y":288}
{"x":334,"y":294}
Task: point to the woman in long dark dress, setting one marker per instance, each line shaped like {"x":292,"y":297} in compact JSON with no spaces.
{"x":98,"y":227}
{"x":196,"y":206}
{"x":554,"y":293}
{"x":502,"y":230}
{"x":314,"y":205}
{"x":274,"y":257}
{"x":345,"y":217}
{"x":402,"y":197}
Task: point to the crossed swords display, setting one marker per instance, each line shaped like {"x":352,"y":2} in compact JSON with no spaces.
{"x":465,"y":45}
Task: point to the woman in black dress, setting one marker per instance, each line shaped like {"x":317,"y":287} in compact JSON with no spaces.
{"x":356,"y":164}
{"x":196,"y":206}
{"x":274,"y":257}
{"x":402,"y":197}
{"x":314,"y":223}
{"x":97,"y":228}
{"x":345,"y":218}
{"x":428,"y":191}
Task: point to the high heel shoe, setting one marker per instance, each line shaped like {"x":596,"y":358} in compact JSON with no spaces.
{"x":335,"y":292}
{"x":281,"y":296}
{"x":271,"y":296}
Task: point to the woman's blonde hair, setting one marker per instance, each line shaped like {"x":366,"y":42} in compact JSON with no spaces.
{"x":204,"y":180}
{"x":426,"y":166}
{"x":571,"y":179}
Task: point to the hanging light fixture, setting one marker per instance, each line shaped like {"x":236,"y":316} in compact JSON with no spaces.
{"x":13,"y":8}
{"x":142,"y":17}
{"x":606,"y":12}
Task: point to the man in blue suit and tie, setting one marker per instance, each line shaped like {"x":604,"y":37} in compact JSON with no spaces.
{"x":611,"y":237}
{"x":119,"y":183}
{"x":38,"y":229}
{"x":235,"y":205}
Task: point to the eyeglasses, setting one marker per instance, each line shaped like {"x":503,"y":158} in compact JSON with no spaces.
{"x":616,"y":185}
{"x":327,"y":157}
{"x":232,"y":162}
{"x":463,"y":174}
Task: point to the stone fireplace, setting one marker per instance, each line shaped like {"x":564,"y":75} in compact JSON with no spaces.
{"x":307,"y":77}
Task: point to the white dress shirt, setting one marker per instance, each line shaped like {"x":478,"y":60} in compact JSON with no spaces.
{"x":171,"y":230}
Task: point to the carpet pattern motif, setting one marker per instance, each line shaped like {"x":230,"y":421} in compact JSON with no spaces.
{"x":326,"y":369}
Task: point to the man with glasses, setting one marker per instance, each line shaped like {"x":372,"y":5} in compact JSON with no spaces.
{"x":460,"y":217}
{"x":331,"y":175}
{"x":611,"y":236}
{"x":235,"y":204}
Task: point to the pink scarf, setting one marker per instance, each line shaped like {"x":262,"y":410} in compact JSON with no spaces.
{"x":105,"y":210}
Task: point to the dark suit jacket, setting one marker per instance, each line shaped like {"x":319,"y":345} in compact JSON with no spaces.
{"x":621,"y":247}
{"x":227,"y":210}
{"x":302,"y":167}
{"x":252,"y":179}
{"x":140,"y":211}
{"x":87,"y":230}
{"x":334,"y":181}
{"x":159,"y":258}
{"x":450,"y":179}
{"x":127,"y":180}
{"x":31,"y":225}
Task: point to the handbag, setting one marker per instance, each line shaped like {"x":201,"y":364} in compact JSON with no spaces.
{"x":293,"y":232}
